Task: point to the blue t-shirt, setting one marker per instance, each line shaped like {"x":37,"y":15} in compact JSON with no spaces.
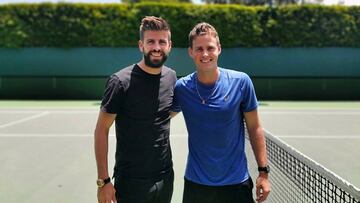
{"x":216,"y":129}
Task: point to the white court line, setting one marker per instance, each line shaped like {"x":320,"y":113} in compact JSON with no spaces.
{"x":24,"y":119}
{"x":310,"y":108}
{"x":301,"y":112}
{"x":172,"y":135}
{"x":50,"y":111}
{"x":340,"y":137}
{"x":48,"y":135}
{"x":308,"y":113}
{"x":65,"y":135}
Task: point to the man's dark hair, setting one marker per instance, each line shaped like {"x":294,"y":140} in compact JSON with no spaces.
{"x":154,"y":24}
{"x":203,"y":29}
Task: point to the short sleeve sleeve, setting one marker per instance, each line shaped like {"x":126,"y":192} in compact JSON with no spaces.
{"x":249,"y":101}
{"x":175,"y":104}
{"x":113,"y":95}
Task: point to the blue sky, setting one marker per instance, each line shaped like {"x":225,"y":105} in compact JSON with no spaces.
{"x":327,"y":2}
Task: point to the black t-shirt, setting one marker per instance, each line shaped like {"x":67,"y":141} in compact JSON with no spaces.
{"x":142,"y":103}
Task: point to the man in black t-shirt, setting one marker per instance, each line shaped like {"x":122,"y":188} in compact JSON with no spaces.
{"x":138,"y":98}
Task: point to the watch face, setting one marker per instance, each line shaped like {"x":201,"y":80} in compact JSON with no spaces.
{"x":100,"y":182}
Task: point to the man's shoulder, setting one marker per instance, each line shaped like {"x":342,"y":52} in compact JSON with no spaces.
{"x":124,"y":71}
{"x":185,"y":80}
{"x":121,"y":77}
{"x":236,"y":76}
{"x":233,"y":73}
{"x":168,"y":70}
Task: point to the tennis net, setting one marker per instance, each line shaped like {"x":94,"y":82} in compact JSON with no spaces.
{"x":296,"y":178}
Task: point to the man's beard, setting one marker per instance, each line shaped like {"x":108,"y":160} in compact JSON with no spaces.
{"x":154,"y":63}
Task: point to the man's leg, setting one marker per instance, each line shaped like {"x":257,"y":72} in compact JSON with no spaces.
{"x":129,"y":190}
{"x":133,"y":190}
{"x":237,"y":193}
{"x":164,"y":188}
{"x":196,"y":193}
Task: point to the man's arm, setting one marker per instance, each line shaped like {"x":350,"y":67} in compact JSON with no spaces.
{"x":173,"y":114}
{"x":257,"y":140}
{"x":101,"y":143}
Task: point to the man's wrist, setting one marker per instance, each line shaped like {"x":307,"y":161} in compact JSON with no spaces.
{"x":102,"y":182}
{"x":264,"y":169}
{"x":263,"y":175}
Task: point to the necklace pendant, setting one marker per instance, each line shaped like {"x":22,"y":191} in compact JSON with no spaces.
{"x":203,"y":101}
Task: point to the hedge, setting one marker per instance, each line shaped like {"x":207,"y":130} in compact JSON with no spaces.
{"x":116,"y":25}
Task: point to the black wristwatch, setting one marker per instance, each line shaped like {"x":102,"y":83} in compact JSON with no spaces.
{"x":265,"y":169}
{"x":102,"y":182}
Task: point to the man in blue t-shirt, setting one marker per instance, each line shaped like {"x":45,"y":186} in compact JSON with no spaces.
{"x":215,"y":102}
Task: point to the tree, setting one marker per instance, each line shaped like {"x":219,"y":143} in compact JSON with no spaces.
{"x":312,"y":1}
{"x":252,"y":2}
{"x":286,"y":2}
{"x":168,"y":1}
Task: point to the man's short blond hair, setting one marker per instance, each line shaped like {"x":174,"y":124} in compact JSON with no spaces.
{"x":203,"y":29}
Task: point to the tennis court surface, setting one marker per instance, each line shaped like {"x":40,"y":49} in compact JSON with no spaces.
{"x":46,"y":151}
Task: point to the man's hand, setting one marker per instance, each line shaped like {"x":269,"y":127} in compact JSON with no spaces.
{"x":262,"y":187}
{"x":106,"y":194}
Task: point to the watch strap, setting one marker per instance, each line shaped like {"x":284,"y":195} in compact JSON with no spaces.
{"x":265,"y":169}
{"x":107,"y":180}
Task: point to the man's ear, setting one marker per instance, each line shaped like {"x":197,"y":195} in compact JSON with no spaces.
{"x":170,"y":45}
{"x":190,"y":52}
{"x":141,"y":45}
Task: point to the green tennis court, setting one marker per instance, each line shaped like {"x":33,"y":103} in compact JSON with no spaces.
{"x":46,"y":147}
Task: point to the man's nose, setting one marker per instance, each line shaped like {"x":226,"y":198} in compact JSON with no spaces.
{"x":156,"y":47}
{"x":205,"y":53}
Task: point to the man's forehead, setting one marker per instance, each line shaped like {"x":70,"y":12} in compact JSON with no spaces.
{"x":156,"y":34}
{"x":205,"y":40}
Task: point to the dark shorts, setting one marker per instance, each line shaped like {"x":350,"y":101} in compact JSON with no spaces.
{"x":239,"y":193}
{"x":155,"y":190}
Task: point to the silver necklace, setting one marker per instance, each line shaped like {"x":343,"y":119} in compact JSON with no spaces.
{"x":204,"y":101}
